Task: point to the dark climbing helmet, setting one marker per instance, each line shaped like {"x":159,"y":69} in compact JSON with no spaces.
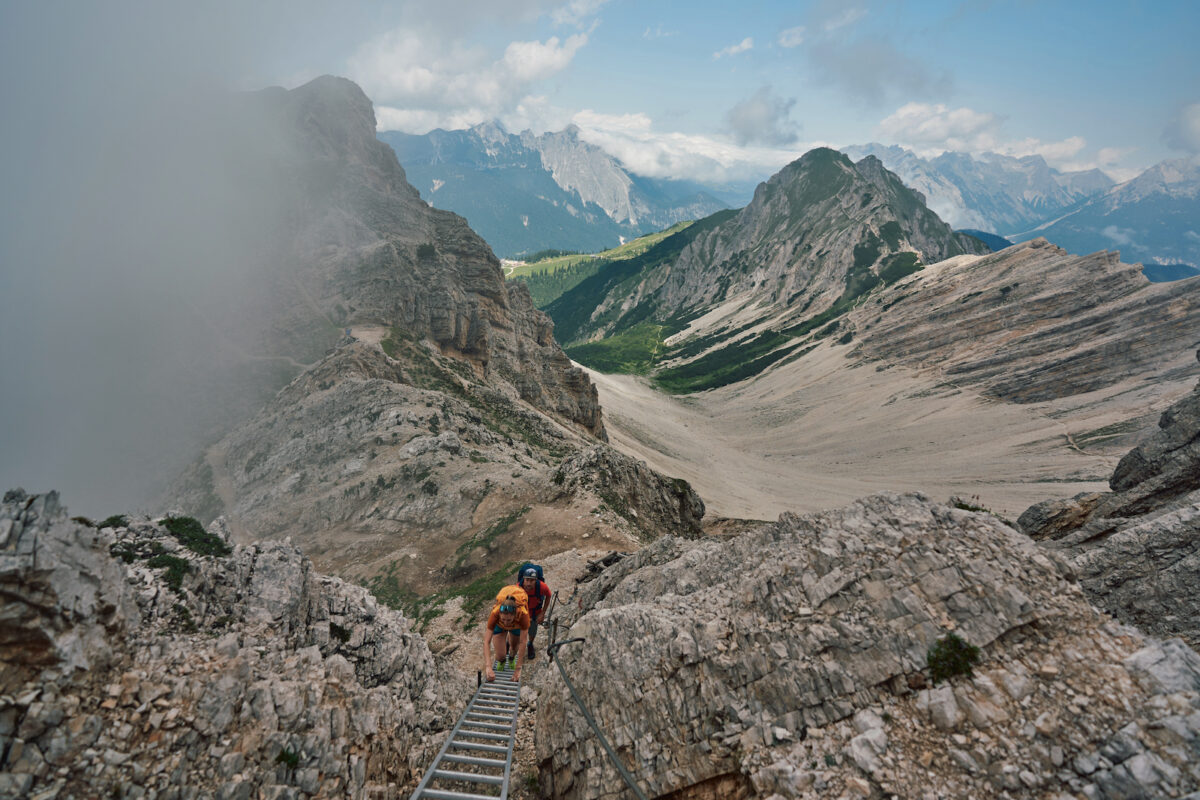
{"x":529,"y":573}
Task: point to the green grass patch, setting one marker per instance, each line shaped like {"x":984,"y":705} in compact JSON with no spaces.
{"x":572,"y":310}
{"x":476,"y":594}
{"x":632,"y":352}
{"x":730,"y":364}
{"x":866,"y":252}
{"x":892,"y":233}
{"x":557,"y":272}
{"x":115,"y":521}
{"x":288,"y":757}
{"x":898,"y":266}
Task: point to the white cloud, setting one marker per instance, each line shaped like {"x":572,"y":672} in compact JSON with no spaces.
{"x":872,"y":69}
{"x":533,"y":61}
{"x":930,"y":129}
{"x":1053,"y":152}
{"x":1121,"y":236}
{"x":576,"y":11}
{"x":1183,"y":132}
{"x":657,"y":32}
{"x":645,"y":151}
{"x":734,"y":49}
{"x":762,"y":118}
{"x":791,"y":37}
{"x":845,"y":19}
{"x":418,"y":80}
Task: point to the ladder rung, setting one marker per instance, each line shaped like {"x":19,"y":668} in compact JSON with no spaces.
{"x":493,"y":708}
{"x":451,"y":775}
{"x":441,"y":794}
{"x":499,"y":690}
{"x":487,"y":726}
{"x":494,"y":737}
{"x":476,"y":761}
{"x":459,"y":744}
{"x":481,"y":715}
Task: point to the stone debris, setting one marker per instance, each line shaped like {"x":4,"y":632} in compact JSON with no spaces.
{"x":710,"y":683}
{"x":1136,"y":549}
{"x":255,"y":677}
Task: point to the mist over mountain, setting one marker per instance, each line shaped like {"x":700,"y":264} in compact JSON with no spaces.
{"x":526,"y":192}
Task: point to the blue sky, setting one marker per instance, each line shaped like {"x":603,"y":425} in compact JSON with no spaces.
{"x":689,"y":89}
{"x":708,"y":87}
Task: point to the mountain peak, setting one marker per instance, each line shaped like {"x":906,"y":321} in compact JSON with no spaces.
{"x":490,"y":131}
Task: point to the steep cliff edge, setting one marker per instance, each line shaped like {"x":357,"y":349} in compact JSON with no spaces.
{"x":361,"y":247}
{"x":423,"y":438}
{"x":1137,"y":548}
{"x":791,"y":661}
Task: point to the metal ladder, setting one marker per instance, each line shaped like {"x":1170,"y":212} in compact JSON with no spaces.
{"x":488,"y":728}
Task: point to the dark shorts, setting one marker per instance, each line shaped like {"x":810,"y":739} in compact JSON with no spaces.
{"x":515,"y":631}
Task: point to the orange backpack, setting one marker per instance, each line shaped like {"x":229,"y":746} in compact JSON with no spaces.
{"x":516,"y":593}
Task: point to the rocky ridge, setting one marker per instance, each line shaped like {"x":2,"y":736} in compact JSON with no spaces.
{"x":1032,"y":323}
{"x":134,"y":665}
{"x":363,"y":248}
{"x":1136,"y":549}
{"x":416,"y":466}
{"x":996,"y":193}
{"x":456,"y":428}
{"x":821,"y":228}
{"x":790,"y":661}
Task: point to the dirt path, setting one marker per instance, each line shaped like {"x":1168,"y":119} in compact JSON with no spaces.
{"x":820,"y":432}
{"x":370,"y":334}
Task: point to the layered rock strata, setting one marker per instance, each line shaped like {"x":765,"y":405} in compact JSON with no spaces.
{"x":1032,"y":323}
{"x":791,"y":662}
{"x":1136,"y":549}
{"x":132,"y":666}
{"x":419,"y":465}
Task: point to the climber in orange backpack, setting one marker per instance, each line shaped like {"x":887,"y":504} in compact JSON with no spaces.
{"x":506,"y":631}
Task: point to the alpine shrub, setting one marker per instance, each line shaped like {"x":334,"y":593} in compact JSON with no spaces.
{"x":191,"y":534}
{"x":951,"y":656}
{"x":288,"y":757}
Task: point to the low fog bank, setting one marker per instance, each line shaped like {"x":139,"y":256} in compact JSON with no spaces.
{"x":135,"y":228}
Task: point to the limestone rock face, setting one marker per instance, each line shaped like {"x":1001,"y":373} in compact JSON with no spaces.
{"x":362,"y":247}
{"x":139,"y":665}
{"x":1137,"y":548}
{"x":1033,"y":322}
{"x":654,"y":503}
{"x":791,"y":661}
{"x":419,"y":466}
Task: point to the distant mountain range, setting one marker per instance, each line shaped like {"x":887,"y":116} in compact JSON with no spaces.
{"x":832,"y":250}
{"x":994,"y":193}
{"x":524,"y":192}
{"x":1154,"y":219}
